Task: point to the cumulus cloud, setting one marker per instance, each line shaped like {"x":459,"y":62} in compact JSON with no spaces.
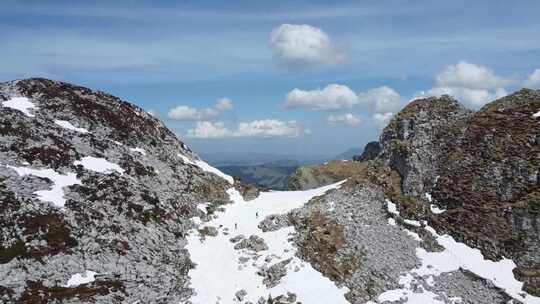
{"x":534,"y":80}
{"x":186,"y":113}
{"x":472,"y":84}
{"x":381,"y":120}
{"x":253,"y":129}
{"x":338,"y":97}
{"x":383,"y":98}
{"x":303,"y":45}
{"x":332,"y":97}
{"x":345,"y":119}
{"x":473,"y":97}
{"x":472,"y":76}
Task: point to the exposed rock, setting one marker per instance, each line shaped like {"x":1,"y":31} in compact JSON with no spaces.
{"x":274,"y":222}
{"x":249,"y":192}
{"x":208,"y":231}
{"x":309,"y":177}
{"x":371,"y":151}
{"x":126,"y":224}
{"x":274,"y":273}
{"x":418,"y":137}
{"x":482,"y":167}
{"x":253,"y":243}
{"x":240,"y":295}
{"x":237,"y":238}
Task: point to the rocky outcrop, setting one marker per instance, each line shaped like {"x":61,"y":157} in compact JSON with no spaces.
{"x":481,"y":167}
{"x":418,"y":137}
{"x":371,"y":151}
{"x":309,"y":177}
{"x":89,"y":182}
{"x":490,"y":184}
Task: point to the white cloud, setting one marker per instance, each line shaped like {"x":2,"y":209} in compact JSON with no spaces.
{"x":472,"y":76}
{"x":332,"y":97}
{"x":534,"y":80}
{"x":384,"y":99}
{"x":257,"y":128}
{"x":472,"y":84}
{"x":303,"y":45}
{"x":382,"y":120}
{"x":472,"y":97}
{"x":345,"y":119}
{"x":185,"y":113}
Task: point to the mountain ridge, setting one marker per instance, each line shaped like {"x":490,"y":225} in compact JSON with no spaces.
{"x":104,"y":204}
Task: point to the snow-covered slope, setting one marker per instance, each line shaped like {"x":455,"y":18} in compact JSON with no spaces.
{"x":225,"y":273}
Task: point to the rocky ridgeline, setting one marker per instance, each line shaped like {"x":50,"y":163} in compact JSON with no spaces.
{"x":472,"y":175}
{"x":100,"y":201}
{"x":130,"y":187}
{"x":481,"y":167}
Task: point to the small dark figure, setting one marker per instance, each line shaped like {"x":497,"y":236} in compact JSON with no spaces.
{"x":235,"y":226}
{"x":256,"y":214}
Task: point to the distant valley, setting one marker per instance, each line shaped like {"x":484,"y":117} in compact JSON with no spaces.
{"x":269,"y":171}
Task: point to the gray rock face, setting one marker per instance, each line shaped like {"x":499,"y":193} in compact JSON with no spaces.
{"x":253,"y":243}
{"x":274,"y":273}
{"x":482,"y":167}
{"x":371,"y":151}
{"x":126,"y":225}
{"x":354,"y":244}
{"x":418,"y":137}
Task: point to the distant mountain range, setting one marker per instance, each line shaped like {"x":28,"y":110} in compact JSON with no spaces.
{"x":268,"y":170}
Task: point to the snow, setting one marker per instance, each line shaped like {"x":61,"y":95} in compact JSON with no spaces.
{"x":138,"y":150}
{"x":436,"y":210}
{"x":77,"y":279}
{"x":413,"y":235}
{"x":536,"y":115}
{"x":22,"y":104}
{"x":67,"y":125}
{"x":206,"y":167}
{"x":54,"y":195}
{"x":456,"y":255}
{"x":203,"y":207}
{"x":391,"y":221}
{"x":412,"y":223}
{"x":391,"y":207}
{"x":219,"y":274}
{"x":100,"y":165}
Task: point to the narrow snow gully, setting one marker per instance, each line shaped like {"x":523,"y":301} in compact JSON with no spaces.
{"x":224,"y":274}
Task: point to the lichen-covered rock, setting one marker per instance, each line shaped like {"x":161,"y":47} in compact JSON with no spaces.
{"x":490,"y":184}
{"x":418,"y":137}
{"x":254,"y":243}
{"x":92,"y":183}
{"x":481,"y":167}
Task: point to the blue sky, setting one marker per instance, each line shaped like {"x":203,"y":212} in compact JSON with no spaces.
{"x":164,"y":54}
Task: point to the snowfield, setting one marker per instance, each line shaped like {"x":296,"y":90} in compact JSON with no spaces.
{"x":54,"y":195}
{"x":22,"y":104}
{"x":67,"y":125}
{"x":100,"y":165}
{"x":222,"y":271}
{"x":456,"y":255}
{"x":206,"y":167}
{"x":81,"y":278}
